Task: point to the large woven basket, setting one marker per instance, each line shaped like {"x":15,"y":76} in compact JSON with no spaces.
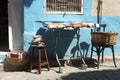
{"x":104,"y":38}
{"x":18,"y":62}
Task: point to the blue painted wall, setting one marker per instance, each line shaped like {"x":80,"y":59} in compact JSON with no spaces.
{"x":34,"y":14}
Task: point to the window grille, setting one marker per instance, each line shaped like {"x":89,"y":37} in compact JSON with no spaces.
{"x":64,"y":6}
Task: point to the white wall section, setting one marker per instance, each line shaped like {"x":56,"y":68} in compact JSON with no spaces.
{"x":15,"y":21}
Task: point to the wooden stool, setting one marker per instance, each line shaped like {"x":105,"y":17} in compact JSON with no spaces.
{"x":39,"y":63}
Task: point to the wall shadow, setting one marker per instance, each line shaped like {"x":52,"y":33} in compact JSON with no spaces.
{"x":27,"y":3}
{"x":56,"y":40}
{"x":84,"y":46}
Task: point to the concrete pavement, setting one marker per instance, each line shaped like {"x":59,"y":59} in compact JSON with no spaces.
{"x":107,"y":71}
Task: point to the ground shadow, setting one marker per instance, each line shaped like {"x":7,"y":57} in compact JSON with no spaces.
{"x":77,"y":62}
{"x":110,"y":74}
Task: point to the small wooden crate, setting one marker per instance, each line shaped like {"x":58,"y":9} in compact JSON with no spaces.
{"x":104,"y":38}
{"x":17,"y":61}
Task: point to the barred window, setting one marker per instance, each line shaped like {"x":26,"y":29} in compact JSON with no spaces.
{"x":64,"y":6}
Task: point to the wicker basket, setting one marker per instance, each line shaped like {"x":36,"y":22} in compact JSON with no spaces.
{"x":104,"y":38}
{"x":17,"y":61}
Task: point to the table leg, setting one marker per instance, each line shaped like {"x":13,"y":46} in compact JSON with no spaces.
{"x":112,"y":47}
{"x":78,"y":41}
{"x":39,"y":61}
{"x":98,"y":53}
{"x":60,"y":69}
{"x":31,"y":59}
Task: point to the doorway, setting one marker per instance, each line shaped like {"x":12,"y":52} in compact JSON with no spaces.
{"x":4,"y":45}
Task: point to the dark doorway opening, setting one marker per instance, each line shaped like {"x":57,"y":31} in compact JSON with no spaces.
{"x":4,"y":44}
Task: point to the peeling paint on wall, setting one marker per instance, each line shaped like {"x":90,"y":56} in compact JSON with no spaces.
{"x":109,"y":7}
